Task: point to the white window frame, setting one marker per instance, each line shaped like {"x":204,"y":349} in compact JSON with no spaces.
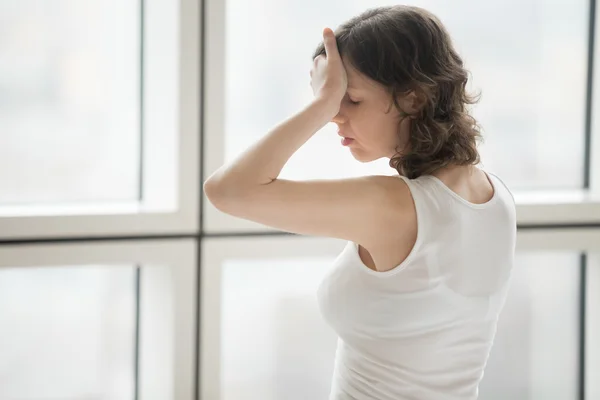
{"x":170,"y":178}
{"x":160,"y":232}
{"x":167,"y":293}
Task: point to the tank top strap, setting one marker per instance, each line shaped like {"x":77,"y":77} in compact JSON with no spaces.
{"x":434,"y":209}
{"x":425,"y":208}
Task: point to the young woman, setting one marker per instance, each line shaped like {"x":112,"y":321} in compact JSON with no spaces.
{"x":416,"y":293}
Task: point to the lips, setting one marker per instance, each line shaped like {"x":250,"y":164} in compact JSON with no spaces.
{"x":347,"y":141}
{"x":344,"y":135}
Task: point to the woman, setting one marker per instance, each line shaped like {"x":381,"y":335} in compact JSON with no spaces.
{"x":416,"y":293}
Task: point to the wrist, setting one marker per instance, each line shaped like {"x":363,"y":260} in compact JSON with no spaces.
{"x":329,"y":106}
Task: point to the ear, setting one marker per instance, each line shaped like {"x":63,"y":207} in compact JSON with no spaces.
{"x":412,"y":102}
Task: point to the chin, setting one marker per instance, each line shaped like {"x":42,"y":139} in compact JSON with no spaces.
{"x":364,"y":157}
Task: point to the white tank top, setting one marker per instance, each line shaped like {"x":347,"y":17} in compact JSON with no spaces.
{"x":424,"y":330}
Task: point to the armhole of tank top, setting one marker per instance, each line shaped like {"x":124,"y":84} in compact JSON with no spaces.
{"x":419,"y":240}
{"x":421,"y":228}
{"x":503,"y":184}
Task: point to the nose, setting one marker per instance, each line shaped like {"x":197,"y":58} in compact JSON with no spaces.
{"x":339,"y":118}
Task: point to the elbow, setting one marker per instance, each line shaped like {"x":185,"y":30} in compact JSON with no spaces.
{"x":222,"y":195}
{"x":214,"y":192}
{"x":211,"y":188}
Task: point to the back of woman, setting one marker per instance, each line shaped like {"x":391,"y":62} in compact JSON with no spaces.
{"x":416,"y":293}
{"x":424,"y":329}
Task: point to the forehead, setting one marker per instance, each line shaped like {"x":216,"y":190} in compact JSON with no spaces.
{"x":359,"y":81}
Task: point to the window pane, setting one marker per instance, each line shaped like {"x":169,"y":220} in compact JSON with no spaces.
{"x":67,"y":333}
{"x":69,"y":100}
{"x":274,"y":343}
{"x":272,"y":306}
{"x":535,"y":355}
{"x":525,"y":74}
{"x":592,"y":345}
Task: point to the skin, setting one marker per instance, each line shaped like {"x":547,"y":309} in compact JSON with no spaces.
{"x":376,"y":212}
{"x":368,"y":116}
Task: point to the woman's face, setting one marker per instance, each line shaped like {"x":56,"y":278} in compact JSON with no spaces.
{"x":368,"y":122}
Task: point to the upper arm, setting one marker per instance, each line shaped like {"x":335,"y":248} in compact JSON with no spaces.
{"x":352,"y":209}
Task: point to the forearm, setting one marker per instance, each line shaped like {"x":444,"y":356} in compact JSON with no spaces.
{"x":263,"y":161}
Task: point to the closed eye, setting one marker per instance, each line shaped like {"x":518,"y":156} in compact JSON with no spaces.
{"x":353,"y":102}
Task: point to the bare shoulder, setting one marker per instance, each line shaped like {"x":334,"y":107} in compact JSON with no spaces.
{"x":395,"y":188}
{"x":388,"y":198}
{"x":394,"y":194}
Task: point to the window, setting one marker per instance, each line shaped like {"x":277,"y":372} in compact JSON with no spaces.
{"x":520,"y":110}
{"x":115,"y":86}
{"x":543,"y":146}
{"x":534,"y":139}
{"x":264,"y":302}
{"x":111,"y":319}
{"x":544,"y":298}
{"x":592,"y":326}
{"x":99,"y":212}
{"x":102,"y":120}
{"x":70,"y":101}
{"x":68,"y":332}
{"x":263,"y":334}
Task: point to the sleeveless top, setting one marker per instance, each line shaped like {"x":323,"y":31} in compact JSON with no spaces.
{"x":424,"y":330}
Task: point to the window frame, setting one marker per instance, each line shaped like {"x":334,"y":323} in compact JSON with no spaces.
{"x":215,"y":250}
{"x":534,"y":208}
{"x":592,"y":327}
{"x":160,"y":231}
{"x":546,"y":221}
{"x":166,"y":353}
{"x":169,"y":180}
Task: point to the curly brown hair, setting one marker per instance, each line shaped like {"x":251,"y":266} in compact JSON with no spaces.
{"x":407,"y":49}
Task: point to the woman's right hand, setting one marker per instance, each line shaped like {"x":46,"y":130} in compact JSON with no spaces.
{"x":328,"y":75}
